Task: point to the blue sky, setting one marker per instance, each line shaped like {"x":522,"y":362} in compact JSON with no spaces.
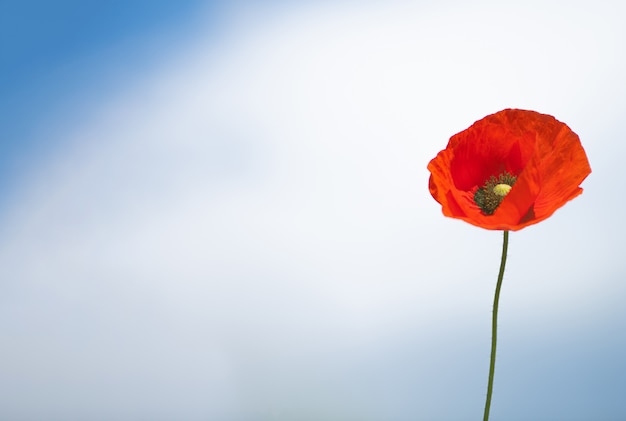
{"x":220,"y":211}
{"x":54,"y":53}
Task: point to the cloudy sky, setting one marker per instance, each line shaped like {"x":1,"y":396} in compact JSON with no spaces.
{"x":219,"y":210}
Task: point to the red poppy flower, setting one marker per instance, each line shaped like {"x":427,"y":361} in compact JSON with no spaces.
{"x":509,"y":170}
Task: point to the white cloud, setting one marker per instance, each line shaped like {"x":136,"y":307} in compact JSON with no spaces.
{"x":256,"y":213}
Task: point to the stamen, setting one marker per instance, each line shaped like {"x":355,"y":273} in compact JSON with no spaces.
{"x":489,"y":196}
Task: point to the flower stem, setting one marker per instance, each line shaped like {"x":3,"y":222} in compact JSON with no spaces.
{"x":494,"y":326}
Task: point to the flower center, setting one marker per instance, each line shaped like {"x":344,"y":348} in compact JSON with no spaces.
{"x":501,"y":189}
{"x":490,"y":195}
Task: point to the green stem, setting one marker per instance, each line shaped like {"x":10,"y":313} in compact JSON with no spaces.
{"x":494,"y":326}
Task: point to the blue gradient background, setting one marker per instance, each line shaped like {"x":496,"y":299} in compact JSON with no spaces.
{"x":219,"y":210}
